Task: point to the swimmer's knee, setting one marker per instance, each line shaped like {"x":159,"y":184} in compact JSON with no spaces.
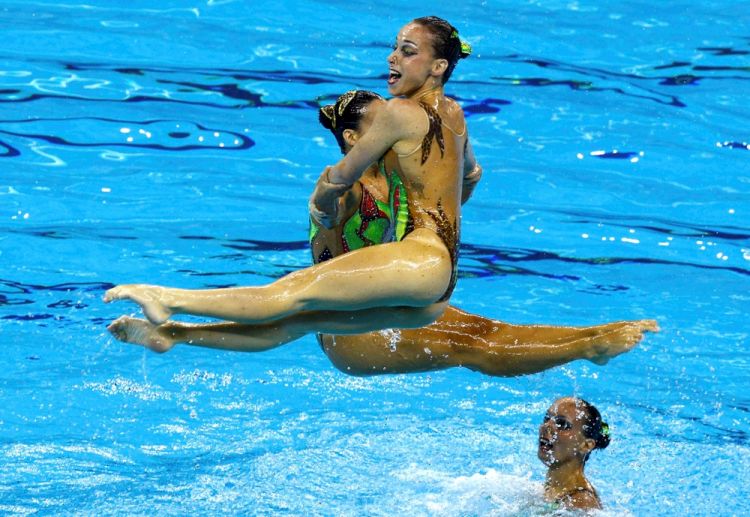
{"x":423,"y":316}
{"x":344,"y":358}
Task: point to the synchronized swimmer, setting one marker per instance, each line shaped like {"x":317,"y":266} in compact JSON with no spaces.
{"x":571,"y":430}
{"x":385,"y":226}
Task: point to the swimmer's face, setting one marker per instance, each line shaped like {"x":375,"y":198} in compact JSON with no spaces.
{"x":412,"y":63}
{"x":561,"y":438}
{"x":351,"y":136}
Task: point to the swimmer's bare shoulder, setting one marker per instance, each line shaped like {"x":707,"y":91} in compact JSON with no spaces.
{"x":399,"y":125}
{"x":410,"y":119}
{"x":455,"y":115}
{"x":583,"y":500}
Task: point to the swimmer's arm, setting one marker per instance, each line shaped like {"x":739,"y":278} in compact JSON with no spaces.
{"x":389,"y":126}
{"x":472,"y":173}
{"x":396,"y":121}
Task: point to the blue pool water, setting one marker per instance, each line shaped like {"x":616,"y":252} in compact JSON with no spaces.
{"x":176,"y":143}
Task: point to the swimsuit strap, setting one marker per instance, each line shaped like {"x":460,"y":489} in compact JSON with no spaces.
{"x":462,"y":133}
{"x":434,"y":132}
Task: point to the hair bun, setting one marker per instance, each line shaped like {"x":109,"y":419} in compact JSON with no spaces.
{"x":327,"y":116}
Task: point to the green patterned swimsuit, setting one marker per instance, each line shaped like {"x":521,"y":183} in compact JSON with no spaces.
{"x":375,"y":221}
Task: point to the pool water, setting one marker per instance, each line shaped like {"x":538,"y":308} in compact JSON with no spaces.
{"x":177,"y":142}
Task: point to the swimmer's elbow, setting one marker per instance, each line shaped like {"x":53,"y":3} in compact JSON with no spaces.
{"x":471,"y":178}
{"x":473,"y":173}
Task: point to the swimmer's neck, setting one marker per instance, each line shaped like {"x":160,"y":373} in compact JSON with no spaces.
{"x":565,"y":477}
{"x":427,"y":90}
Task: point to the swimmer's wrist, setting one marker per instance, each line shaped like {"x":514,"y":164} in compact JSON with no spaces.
{"x":334,"y":177}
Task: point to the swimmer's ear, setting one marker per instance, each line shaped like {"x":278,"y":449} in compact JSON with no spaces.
{"x":439,"y":66}
{"x":350,"y":137}
{"x":589,"y":444}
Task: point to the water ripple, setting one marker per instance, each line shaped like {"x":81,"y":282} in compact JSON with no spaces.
{"x":162,"y":135}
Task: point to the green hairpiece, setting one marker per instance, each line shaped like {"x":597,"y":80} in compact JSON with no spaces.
{"x":605,"y":429}
{"x":465,"y":47}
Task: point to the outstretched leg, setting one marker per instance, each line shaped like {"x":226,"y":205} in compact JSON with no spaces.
{"x":257,"y":338}
{"x":457,"y":338}
{"x":222,"y":336}
{"x":411,"y":273}
{"x":489,"y":346}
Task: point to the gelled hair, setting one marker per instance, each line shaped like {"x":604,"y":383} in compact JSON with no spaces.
{"x":445,"y":42}
{"x":593,"y":425}
{"x":346,"y":113}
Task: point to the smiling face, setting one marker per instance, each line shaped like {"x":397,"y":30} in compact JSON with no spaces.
{"x":561,"y":437}
{"x":412,"y":65}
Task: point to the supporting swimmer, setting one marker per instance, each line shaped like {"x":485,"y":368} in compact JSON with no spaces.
{"x":456,"y":339}
{"x":571,"y":430}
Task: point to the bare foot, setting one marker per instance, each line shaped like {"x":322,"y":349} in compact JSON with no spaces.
{"x":149,"y":297}
{"x":614,"y":339}
{"x":142,"y":332}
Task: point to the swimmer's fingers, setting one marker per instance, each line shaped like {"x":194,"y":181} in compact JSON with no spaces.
{"x":324,"y":202}
{"x":325,"y":218}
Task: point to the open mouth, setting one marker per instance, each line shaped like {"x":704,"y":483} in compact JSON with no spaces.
{"x":544,"y":443}
{"x":393,"y":77}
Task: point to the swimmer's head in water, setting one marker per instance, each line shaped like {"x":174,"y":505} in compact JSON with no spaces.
{"x":446,"y":43}
{"x":348,"y":113}
{"x":571,"y":429}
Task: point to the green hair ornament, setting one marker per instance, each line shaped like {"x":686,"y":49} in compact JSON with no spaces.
{"x":605,"y":429}
{"x":465,"y":47}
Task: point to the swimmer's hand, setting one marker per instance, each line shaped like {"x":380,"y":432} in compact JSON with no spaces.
{"x":324,"y":202}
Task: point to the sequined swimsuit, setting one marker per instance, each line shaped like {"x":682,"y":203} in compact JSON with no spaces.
{"x":374,"y":222}
{"x":445,"y":228}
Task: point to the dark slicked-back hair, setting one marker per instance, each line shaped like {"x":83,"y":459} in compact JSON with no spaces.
{"x":346,"y":113}
{"x":593,"y":425}
{"x":445,"y":42}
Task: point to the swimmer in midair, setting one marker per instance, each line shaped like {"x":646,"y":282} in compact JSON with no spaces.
{"x":372,"y":212}
{"x":421,"y":135}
